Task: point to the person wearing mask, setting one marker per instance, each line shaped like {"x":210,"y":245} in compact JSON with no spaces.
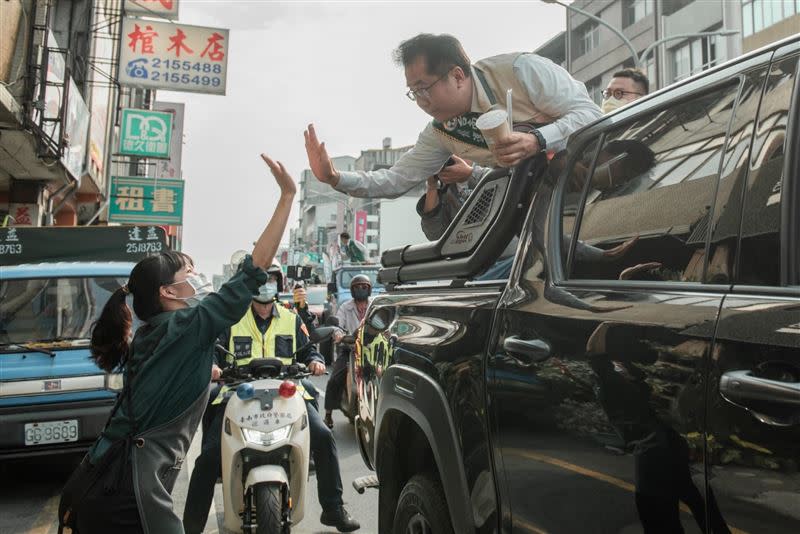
{"x":350,"y":315}
{"x":548,"y":105}
{"x":625,"y":86}
{"x":276,"y":284}
{"x":124,"y":483}
{"x":269,"y":331}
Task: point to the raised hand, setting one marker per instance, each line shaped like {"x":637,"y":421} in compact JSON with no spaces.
{"x":318,"y":159}
{"x":282,"y":177}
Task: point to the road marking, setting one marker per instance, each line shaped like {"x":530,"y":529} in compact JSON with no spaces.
{"x":47,"y":520}
{"x":557,"y":462}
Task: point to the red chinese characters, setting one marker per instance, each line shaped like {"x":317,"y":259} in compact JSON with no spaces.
{"x":214,"y":49}
{"x":142,"y":38}
{"x":177,"y":41}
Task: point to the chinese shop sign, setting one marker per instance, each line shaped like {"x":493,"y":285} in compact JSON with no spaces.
{"x":167,"y":9}
{"x":145,"y":133}
{"x":176,"y":57}
{"x":137,"y":200}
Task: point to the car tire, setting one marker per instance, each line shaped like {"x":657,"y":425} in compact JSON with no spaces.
{"x":422,"y":507}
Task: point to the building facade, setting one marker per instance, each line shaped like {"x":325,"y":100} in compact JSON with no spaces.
{"x":593,"y":52}
{"x":60,"y":104}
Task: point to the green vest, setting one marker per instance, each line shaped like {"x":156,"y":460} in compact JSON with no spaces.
{"x":276,"y":342}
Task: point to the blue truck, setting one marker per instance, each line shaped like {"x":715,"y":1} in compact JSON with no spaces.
{"x":54,"y":283}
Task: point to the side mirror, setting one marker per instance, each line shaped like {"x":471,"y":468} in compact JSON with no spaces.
{"x":291,"y":272}
{"x":306,"y":273}
{"x":332,"y":288}
{"x":322,"y":333}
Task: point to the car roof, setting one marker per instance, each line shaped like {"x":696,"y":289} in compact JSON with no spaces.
{"x":66,"y":269}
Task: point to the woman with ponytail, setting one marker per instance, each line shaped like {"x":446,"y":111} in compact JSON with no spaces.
{"x":124,"y":483}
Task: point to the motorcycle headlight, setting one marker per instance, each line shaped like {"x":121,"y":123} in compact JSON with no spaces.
{"x":256,"y":437}
{"x":114,"y":381}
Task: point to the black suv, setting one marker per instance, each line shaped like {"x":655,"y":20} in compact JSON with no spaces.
{"x":640,"y":369}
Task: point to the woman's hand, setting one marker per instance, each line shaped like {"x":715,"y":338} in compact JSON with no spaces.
{"x":282,"y":177}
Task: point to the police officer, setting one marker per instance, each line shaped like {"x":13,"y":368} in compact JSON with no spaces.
{"x":268,"y":331}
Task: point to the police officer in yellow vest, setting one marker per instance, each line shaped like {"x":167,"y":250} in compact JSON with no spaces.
{"x":269,"y":331}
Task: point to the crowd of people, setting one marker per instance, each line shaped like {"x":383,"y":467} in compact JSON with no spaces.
{"x":170,"y":361}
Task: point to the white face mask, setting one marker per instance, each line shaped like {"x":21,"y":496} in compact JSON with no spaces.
{"x":202,"y":288}
{"x":267,"y":292}
{"x":610,"y":104}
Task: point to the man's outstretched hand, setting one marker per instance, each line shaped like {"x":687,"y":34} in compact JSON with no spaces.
{"x":318,"y":159}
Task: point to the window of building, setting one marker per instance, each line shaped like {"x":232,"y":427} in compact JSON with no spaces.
{"x":646,"y":208}
{"x":694,"y":56}
{"x":674,"y":6}
{"x":760,"y":14}
{"x":588,"y":38}
{"x":635,"y":10}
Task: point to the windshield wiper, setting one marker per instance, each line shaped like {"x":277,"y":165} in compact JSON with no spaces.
{"x":29,"y":347}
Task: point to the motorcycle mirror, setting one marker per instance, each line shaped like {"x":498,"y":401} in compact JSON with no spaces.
{"x":218,"y":346}
{"x":322,"y":333}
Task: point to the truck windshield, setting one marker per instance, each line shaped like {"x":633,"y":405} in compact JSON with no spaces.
{"x":317,"y":295}
{"x":346,"y":276}
{"x":52,"y":309}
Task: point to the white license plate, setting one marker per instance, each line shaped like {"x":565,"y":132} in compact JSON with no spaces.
{"x":51,"y":432}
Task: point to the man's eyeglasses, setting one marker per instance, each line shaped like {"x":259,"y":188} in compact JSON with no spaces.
{"x":424,"y":92}
{"x":618,"y":93}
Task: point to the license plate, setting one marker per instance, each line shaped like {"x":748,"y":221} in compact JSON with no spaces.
{"x":51,"y":432}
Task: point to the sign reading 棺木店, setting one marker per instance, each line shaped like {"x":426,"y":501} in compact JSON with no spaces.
{"x":175,"y":57}
{"x":145,"y":133}
{"x":167,"y":9}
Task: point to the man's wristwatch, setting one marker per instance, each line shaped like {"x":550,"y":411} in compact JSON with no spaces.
{"x":540,"y":138}
{"x":476,"y":172}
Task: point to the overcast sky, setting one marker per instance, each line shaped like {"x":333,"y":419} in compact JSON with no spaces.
{"x":291,"y":63}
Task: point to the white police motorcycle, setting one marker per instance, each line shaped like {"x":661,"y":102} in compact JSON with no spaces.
{"x":266,"y":445}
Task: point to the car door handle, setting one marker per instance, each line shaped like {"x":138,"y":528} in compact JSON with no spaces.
{"x":536,"y":350}
{"x":754,"y":393}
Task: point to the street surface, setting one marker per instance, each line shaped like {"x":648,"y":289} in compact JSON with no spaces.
{"x":29,"y":496}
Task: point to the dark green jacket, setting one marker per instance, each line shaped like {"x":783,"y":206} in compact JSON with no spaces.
{"x":182,"y":346}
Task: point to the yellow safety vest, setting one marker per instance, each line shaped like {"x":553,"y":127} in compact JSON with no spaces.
{"x":284,"y":323}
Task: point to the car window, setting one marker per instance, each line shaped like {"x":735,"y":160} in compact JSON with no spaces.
{"x":761,"y":218}
{"x":347,"y":276}
{"x":647,"y":209}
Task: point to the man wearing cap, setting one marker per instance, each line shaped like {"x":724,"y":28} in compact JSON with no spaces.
{"x":547,"y":106}
{"x":268,"y":331}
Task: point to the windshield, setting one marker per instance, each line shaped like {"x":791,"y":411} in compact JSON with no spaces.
{"x":52,"y":309}
{"x":346,"y":276}
{"x":317,"y":295}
